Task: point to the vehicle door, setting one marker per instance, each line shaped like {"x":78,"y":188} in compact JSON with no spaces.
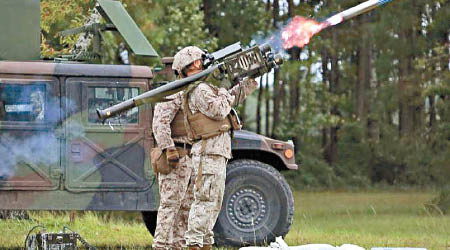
{"x":30,"y":140}
{"x":110,"y":156}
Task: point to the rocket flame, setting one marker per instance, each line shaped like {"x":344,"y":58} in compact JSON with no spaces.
{"x":300,"y":31}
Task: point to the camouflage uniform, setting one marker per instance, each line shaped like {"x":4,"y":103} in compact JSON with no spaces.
{"x":176,"y":194}
{"x":212,"y":154}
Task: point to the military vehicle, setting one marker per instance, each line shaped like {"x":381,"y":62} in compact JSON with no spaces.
{"x":57,"y":155}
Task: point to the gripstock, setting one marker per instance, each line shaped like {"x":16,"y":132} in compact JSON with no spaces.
{"x":231,"y":62}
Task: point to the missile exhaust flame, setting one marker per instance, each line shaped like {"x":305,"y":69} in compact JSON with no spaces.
{"x":300,"y":30}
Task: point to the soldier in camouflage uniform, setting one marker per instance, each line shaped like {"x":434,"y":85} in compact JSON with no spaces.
{"x":212,"y":147}
{"x":176,"y":194}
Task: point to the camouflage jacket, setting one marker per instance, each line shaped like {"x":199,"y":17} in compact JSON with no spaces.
{"x":162,"y":118}
{"x":216,"y":103}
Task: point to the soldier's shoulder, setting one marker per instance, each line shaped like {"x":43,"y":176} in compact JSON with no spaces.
{"x":204,"y":86}
{"x":172,"y":102}
{"x":175,"y":96}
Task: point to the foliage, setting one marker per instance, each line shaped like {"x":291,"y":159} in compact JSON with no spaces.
{"x":59,"y":15}
{"x":182,"y":25}
{"x":392,"y":128}
{"x":169,"y":26}
{"x":442,"y":202}
{"x":236,"y":20}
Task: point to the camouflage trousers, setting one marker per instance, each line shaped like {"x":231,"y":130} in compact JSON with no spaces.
{"x":208,"y":196}
{"x":176,"y":197}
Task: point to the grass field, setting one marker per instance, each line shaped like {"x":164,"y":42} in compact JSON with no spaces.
{"x":367,"y":219}
{"x":376,"y":219}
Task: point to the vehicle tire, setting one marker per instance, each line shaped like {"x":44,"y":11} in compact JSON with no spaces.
{"x":257,"y":207}
{"x":149,"y":218}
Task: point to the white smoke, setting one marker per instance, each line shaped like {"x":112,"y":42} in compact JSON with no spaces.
{"x":38,"y":147}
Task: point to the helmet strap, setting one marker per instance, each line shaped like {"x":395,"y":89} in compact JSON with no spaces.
{"x":184,"y":71}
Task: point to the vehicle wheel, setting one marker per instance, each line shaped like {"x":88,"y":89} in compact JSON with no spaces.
{"x":257,"y":207}
{"x":149,"y":218}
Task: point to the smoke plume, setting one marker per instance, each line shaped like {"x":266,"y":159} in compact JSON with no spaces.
{"x":38,"y":147}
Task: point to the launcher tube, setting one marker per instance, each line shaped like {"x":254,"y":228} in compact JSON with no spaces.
{"x":154,"y":95}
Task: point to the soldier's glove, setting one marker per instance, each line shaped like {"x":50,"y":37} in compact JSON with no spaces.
{"x":253,"y":82}
{"x":172,"y":156}
{"x":248,"y":81}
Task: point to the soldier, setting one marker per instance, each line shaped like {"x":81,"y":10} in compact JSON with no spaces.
{"x":209,"y":121}
{"x":176,"y":195}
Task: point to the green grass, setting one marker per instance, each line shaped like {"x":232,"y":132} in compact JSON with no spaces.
{"x":117,"y":230}
{"x":370,"y":219}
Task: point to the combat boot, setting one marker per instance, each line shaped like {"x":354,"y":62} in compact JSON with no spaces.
{"x":206,"y":247}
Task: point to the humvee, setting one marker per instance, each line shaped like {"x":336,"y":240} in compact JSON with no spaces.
{"x":57,"y":155}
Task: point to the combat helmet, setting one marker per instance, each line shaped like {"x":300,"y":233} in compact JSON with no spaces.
{"x":185,"y":57}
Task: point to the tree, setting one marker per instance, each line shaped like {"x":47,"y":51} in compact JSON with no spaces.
{"x":169,"y":25}
{"x":56,"y":16}
{"x":276,"y":78}
{"x":235,"y":20}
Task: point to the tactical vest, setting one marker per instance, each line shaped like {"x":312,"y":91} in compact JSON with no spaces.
{"x":199,"y":126}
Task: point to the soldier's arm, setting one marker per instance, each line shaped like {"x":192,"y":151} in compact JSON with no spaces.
{"x":214,"y":105}
{"x":243,"y":90}
{"x":162,"y":117}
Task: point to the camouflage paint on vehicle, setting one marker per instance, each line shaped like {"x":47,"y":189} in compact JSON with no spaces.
{"x":83,"y":164}
{"x":249,"y":145}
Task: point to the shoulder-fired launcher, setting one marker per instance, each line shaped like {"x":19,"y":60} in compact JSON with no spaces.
{"x":231,"y":62}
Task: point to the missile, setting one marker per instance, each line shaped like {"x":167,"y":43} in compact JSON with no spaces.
{"x":300,"y":30}
{"x":355,"y":11}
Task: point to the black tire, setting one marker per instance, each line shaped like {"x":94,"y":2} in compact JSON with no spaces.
{"x":257,"y":207}
{"x":149,"y":218}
